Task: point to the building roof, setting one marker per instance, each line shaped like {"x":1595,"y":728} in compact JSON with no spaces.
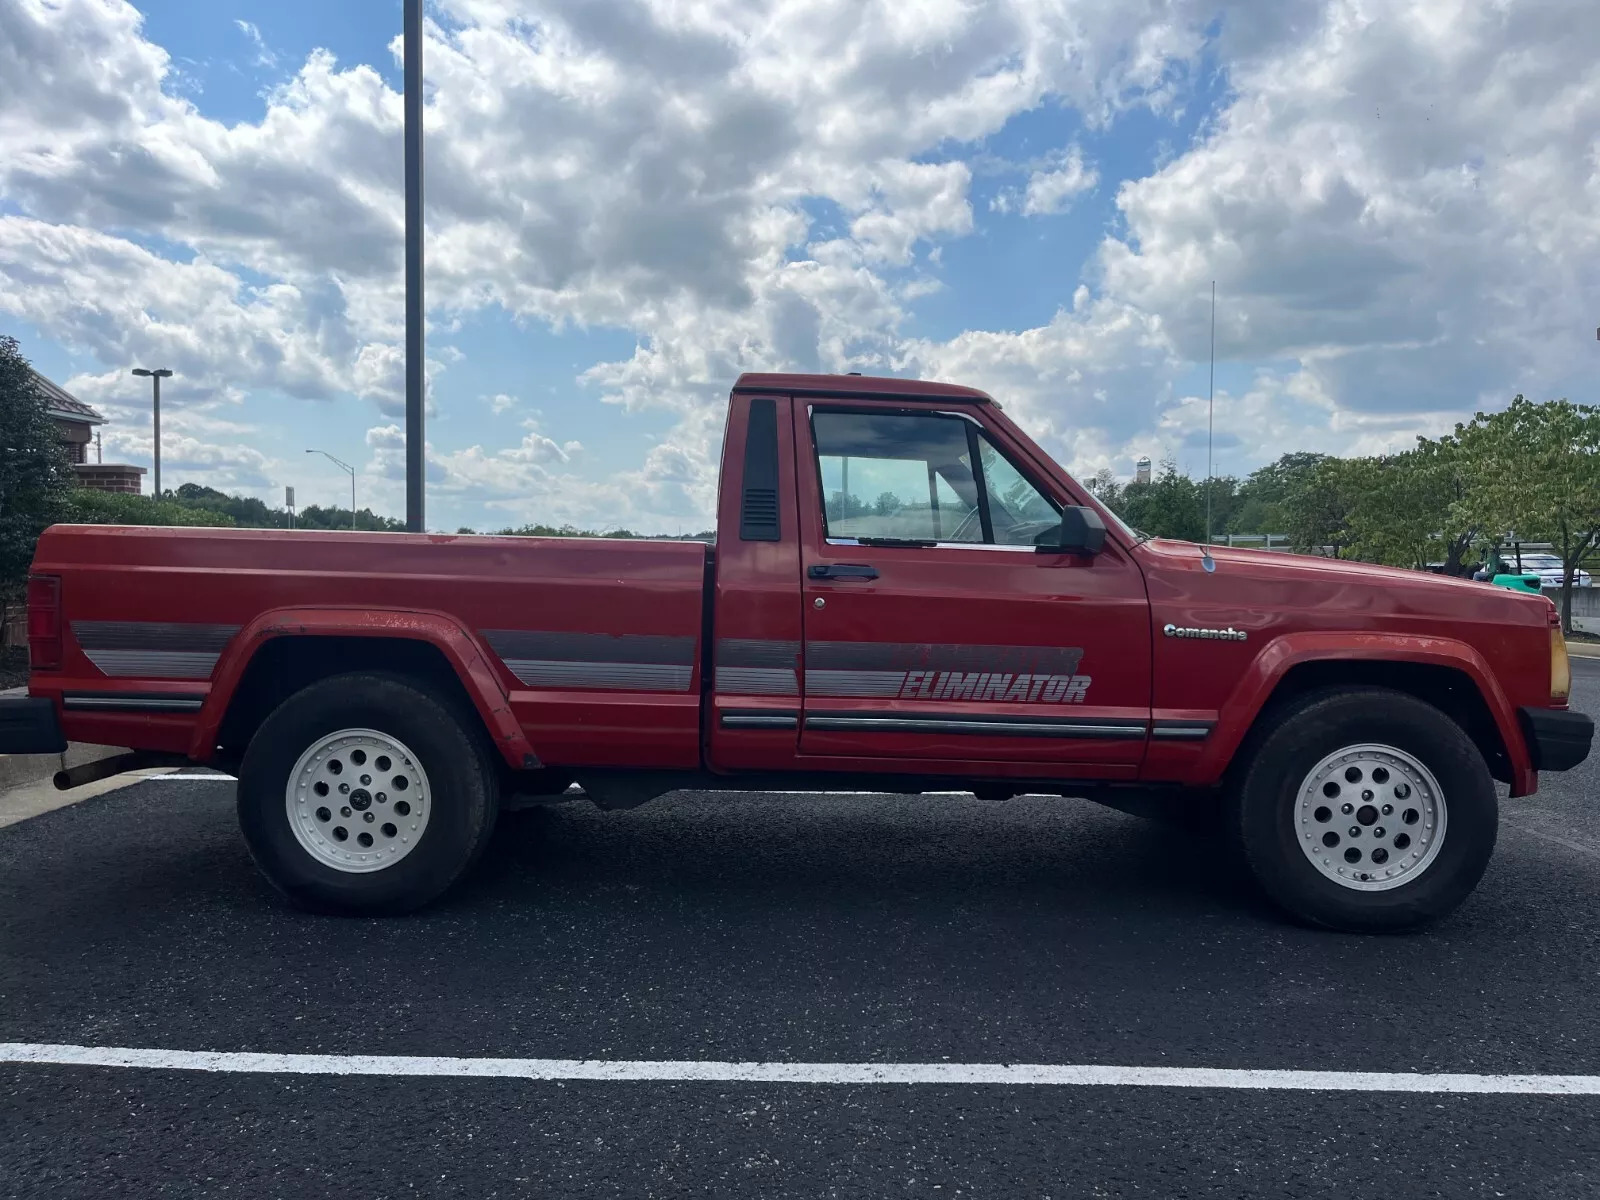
{"x":63,"y":404}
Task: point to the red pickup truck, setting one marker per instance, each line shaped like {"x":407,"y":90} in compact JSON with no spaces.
{"x":905,"y":594}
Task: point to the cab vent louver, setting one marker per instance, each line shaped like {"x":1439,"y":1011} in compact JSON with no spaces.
{"x":758,"y":508}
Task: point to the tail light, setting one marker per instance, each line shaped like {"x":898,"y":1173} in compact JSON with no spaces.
{"x":1560,"y":665}
{"x":44,"y":622}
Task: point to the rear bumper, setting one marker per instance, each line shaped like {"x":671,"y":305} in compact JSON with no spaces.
{"x":1558,"y":740}
{"x":28,"y":725}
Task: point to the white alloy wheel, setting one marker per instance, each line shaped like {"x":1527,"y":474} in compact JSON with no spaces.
{"x":1370,"y":817}
{"x":358,"y":800}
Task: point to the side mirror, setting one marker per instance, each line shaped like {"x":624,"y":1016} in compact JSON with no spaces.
{"x":1082,"y":531}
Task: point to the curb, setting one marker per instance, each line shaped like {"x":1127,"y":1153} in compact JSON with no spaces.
{"x":1583,"y":649}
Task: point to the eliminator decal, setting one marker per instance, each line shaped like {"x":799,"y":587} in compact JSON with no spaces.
{"x":911,"y":671}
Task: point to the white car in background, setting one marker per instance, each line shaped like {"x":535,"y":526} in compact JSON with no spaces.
{"x":1546,"y":566}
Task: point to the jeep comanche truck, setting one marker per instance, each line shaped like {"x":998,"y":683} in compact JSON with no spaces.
{"x":905,"y":594}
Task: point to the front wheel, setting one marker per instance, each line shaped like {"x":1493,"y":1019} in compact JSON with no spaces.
{"x":1365,"y":810}
{"x":365,"y":793}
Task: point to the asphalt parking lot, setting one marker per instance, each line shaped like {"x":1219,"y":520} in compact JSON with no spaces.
{"x":802,"y":929}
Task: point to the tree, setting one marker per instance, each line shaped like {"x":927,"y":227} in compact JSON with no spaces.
{"x":245,"y":510}
{"x":1538,"y":472}
{"x":1407,"y":509}
{"x":314,"y":516}
{"x":1224,"y":493}
{"x":1169,"y":506}
{"x":1259,"y":501}
{"x":34,"y":474}
{"x":1103,"y":486}
{"x":1317,"y":502}
{"x":87,"y":507}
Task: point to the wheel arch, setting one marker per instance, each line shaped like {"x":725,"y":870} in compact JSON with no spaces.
{"x":1447,"y":674}
{"x":282,"y":651}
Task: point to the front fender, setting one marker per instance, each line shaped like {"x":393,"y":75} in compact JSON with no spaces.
{"x":440,"y":630}
{"x":1282,"y":654}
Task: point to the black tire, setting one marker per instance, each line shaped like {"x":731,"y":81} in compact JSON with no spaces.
{"x":446,"y":742}
{"x":1261,"y":810}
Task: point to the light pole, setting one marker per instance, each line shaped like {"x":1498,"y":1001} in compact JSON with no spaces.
{"x":416,"y":313}
{"x":339,"y":462}
{"x":155,"y":378}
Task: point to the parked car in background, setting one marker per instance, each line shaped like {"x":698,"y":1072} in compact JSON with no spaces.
{"x":1519,"y":583}
{"x":1546,"y":566}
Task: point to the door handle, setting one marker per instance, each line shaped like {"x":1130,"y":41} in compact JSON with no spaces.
{"x":842,"y":571}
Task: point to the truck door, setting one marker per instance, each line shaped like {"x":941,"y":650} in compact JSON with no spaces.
{"x":934,"y":630}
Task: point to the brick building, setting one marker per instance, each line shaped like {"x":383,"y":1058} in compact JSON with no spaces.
{"x":75,"y":422}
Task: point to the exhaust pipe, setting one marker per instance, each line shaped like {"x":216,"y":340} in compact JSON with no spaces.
{"x":117,"y":764}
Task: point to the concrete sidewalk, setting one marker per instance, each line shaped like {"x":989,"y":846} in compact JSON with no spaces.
{"x":25,"y":779}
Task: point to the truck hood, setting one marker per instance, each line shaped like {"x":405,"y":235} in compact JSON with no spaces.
{"x":1262,"y":579}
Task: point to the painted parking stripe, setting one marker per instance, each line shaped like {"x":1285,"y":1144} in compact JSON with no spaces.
{"x":858,"y":1074}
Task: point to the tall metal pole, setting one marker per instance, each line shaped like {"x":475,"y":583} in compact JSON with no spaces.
{"x":416,"y":443}
{"x":1211,"y":407}
{"x":343,"y":466}
{"x":156,"y":380}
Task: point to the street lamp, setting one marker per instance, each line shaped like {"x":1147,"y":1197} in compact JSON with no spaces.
{"x":339,"y":462}
{"x":155,"y":378}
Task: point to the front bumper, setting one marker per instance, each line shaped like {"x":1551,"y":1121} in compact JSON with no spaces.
{"x":28,"y":725}
{"x":1558,"y":739}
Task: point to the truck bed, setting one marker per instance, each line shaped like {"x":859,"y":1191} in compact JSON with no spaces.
{"x":594,"y":642}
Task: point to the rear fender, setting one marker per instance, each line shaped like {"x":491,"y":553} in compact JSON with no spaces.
{"x":1279,"y":656}
{"x":460,"y":649}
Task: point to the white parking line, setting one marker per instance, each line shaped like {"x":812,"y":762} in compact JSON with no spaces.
{"x":182,"y":778}
{"x":679,"y":1071}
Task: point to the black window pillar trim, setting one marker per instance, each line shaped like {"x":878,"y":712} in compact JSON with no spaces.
{"x":985,"y":520}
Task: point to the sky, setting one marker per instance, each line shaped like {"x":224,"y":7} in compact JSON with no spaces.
{"x":631,"y":201}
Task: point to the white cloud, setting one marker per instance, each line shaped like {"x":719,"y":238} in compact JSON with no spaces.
{"x":264,"y":55}
{"x":1052,"y":189}
{"x":1402,"y":199}
{"x":1396,"y":201}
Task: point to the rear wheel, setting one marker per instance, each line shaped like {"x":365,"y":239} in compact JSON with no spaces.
{"x":1365,"y":810}
{"x":366,"y":793}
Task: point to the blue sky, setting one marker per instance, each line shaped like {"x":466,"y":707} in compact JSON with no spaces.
{"x":630,"y":202}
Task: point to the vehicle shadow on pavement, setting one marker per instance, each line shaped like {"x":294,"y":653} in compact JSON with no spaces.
{"x":797,"y":849}
{"x":826,"y":928}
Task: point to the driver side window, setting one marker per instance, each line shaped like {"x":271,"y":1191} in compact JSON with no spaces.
{"x":910,"y":477}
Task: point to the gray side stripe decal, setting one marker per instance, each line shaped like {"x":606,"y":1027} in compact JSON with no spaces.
{"x":908,"y":656}
{"x":757,"y":652}
{"x":883,"y":684}
{"x":629,"y":662}
{"x":757,"y":681}
{"x":152,"y":649}
{"x":611,"y":677}
{"x":757,"y":667}
{"x":152,"y":635}
{"x":173,"y":664}
{"x":653,"y":648}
